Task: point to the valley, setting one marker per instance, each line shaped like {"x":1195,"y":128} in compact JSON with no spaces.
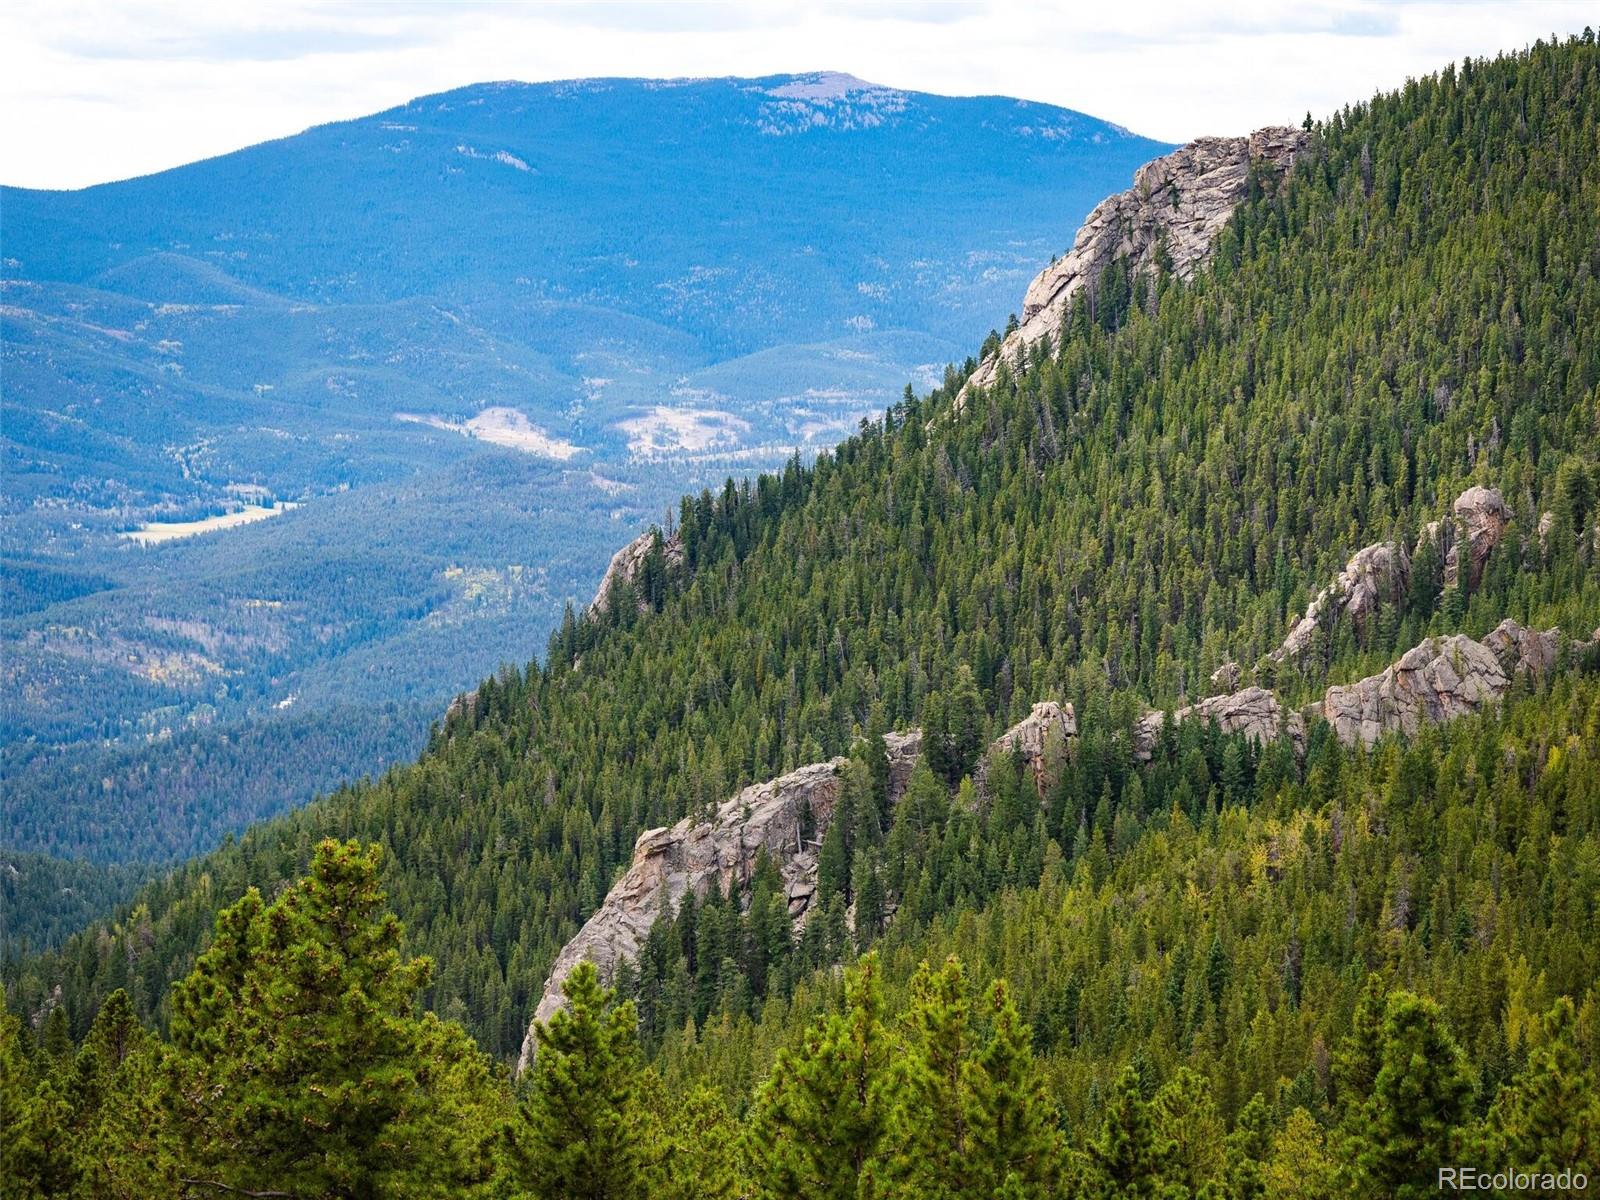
{"x":414,"y":338}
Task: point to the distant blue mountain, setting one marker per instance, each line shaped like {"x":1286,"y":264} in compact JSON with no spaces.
{"x":479,"y":339}
{"x":743,"y":212}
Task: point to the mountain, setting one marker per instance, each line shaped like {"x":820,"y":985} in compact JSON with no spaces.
{"x":1279,"y":905}
{"x":446,"y":356}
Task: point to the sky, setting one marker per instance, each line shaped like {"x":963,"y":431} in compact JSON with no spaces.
{"x":94,"y":91}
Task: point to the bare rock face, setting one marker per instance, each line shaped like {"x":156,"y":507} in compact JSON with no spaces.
{"x":1524,"y":651}
{"x":1478,"y":522}
{"x":1438,"y":680}
{"x":1030,"y":736}
{"x":627,"y":563}
{"x":694,"y":854}
{"x":1226,"y":677}
{"x":1180,"y":201}
{"x":1254,"y":712}
{"x":1377,"y":575}
{"x":1481,"y":517}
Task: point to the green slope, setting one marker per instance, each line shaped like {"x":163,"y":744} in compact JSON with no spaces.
{"x":1416,"y":311}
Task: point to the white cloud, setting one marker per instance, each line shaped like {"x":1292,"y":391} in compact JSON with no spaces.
{"x":96,"y":91}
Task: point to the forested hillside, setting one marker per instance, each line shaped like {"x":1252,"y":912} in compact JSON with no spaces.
{"x":1412,"y":310}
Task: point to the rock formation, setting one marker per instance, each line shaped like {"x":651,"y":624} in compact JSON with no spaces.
{"x":1481,"y":517}
{"x":1254,"y":712}
{"x":627,"y":563}
{"x":1375,"y":576}
{"x":1478,"y":521}
{"x":1032,"y":735}
{"x":1524,"y":651}
{"x":691,"y":855}
{"x":1178,"y":203}
{"x":1226,"y":677}
{"x":1437,"y":680}
{"x":694,"y":854}
{"x":1379,"y":574}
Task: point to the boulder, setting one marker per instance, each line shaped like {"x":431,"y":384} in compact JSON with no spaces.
{"x":1177,"y":206}
{"x":1226,"y":677}
{"x":1481,"y":517}
{"x":1375,"y":576}
{"x":1255,"y":712}
{"x":1478,"y":521}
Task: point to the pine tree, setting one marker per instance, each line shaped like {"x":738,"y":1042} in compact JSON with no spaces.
{"x":299,"y":1066}
{"x":1124,"y":1162}
{"x":1549,"y":1119}
{"x":35,"y":1152}
{"x":928,"y":1129}
{"x":819,"y":1119}
{"x":127,"y":1146}
{"x":1412,"y":1121}
{"x":1015,"y":1147}
{"x":1186,"y":1115}
{"x":577,"y":1136}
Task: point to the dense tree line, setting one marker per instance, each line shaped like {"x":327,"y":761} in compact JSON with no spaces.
{"x":296,"y":1063}
{"x":1415,"y":310}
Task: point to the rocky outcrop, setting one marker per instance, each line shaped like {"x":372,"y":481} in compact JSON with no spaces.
{"x":1477,"y":524}
{"x":1438,"y":680}
{"x":1226,"y":677}
{"x":1524,"y":651}
{"x":694,"y":854}
{"x":627,"y":564}
{"x":1048,"y":721}
{"x":1379,"y":574}
{"x":1254,"y":712}
{"x":1375,"y":576}
{"x":1177,"y":206}
{"x":1481,"y":517}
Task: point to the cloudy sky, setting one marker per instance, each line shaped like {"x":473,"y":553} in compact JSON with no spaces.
{"x":114,"y":88}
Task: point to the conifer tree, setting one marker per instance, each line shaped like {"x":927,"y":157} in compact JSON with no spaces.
{"x":1412,"y":1120}
{"x":1548,"y":1120}
{"x":1186,"y":1115}
{"x":299,"y":1064}
{"x":578,"y":1134}
{"x":928,"y":1131}
{"x":1015,"y":1145}
{"x":819,"y":1118}
{"x":126,"y":1145}
{"x":1124,"y":1161}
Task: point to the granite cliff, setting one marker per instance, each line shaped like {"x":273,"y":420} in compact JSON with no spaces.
{"x":1172,"y":214}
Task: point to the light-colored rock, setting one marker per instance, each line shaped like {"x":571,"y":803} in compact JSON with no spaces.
{"x":1524,"y":651}
{"x":1226,"y":677}
{"x":1438,"y":680}
{"x":1478,"y":521}
{"x":628,"y":562}
{"x":1481,"y":517}
{"x":1375,"y":576}
{"x":1254,"y":712}
{"x":694,"y":854}
{"x":1031,"y":736}
{"x":462,"y":703}
{"x":1180,"y":201}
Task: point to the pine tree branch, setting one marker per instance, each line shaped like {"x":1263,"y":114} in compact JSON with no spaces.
{"x":238,"y":1191}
